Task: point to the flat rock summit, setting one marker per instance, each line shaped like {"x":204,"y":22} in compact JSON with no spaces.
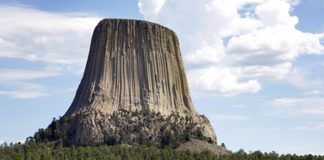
{"x":134,"y":91}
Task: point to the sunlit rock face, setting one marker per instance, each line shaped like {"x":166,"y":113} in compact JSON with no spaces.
{"x":132,"y":66}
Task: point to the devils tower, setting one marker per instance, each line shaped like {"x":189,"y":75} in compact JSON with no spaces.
{"x":134,"y":90}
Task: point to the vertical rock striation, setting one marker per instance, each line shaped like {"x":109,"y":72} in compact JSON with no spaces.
{"x":133,"y":65}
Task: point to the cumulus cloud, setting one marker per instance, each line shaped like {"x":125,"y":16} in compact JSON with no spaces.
{"x":273,"y":48}
{"x":221,"y":80}
{"x":239,"y":41}
{"x":150,"y":8}
{"x":207,"y":53}
{"x":275,"y":12}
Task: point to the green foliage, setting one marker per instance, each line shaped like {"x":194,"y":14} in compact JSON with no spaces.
{"x":33,"y":151}
{"x":223,"y":145}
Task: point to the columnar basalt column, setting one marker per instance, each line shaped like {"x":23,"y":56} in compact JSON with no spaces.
{"x":134,"y":65}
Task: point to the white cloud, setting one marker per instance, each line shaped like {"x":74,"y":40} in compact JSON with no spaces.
{"x":275,"y":12}
{"x":277,"y":71}
{"x":20,"y":82}
{"x":309,"y":106}
{"x":311,"y":101}
{"x":150,"y":8}
{"x":207,"y":53}
{"x":247,"y":39}
{"x":221,"y":80}
{"x":293,"y":2}
{"x":272,"y":46}
{"x":23,"y":94}
{"x":313,"y":92}
{"x":310,"y":127}
{"x":10,"y":75}
{"x":285,"y":102}
{"x":230,"y":118}
{"x":60,"y":39}
{"x":317,"y":110}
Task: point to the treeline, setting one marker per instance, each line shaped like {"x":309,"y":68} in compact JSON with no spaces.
{"x":33,"y":151}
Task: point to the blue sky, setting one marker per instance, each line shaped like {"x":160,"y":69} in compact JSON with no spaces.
{"x":255,"y":67}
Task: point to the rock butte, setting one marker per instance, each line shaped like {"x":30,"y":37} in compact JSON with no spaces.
{"x":133,"y":65}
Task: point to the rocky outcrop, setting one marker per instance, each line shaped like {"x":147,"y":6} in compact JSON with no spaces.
{"x":132,"y":66}
{"x":196,"y":145}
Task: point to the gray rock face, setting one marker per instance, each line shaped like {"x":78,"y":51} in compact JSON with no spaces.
{"x":200,"y":146}
{"x":133,"y":65}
